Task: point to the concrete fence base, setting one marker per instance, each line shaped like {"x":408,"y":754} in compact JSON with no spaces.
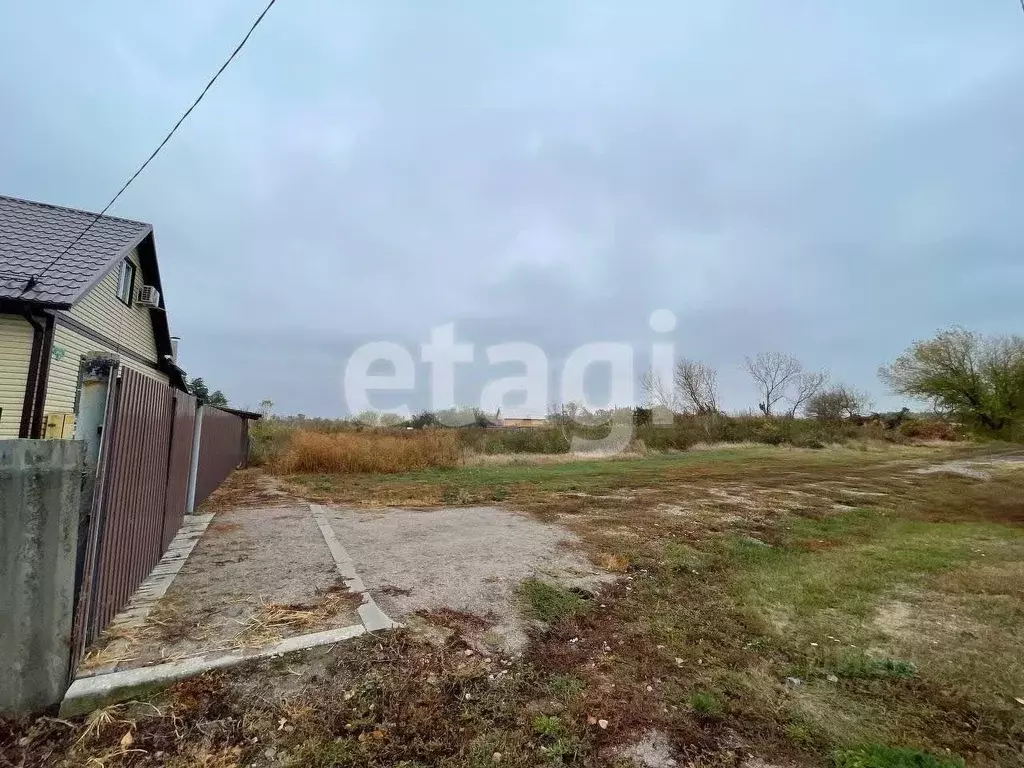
{"x":40,"y":503}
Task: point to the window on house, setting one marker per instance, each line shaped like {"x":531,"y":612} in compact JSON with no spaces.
{"x":126,"y":282}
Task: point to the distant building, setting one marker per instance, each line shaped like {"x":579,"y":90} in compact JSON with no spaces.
{"x":523,"y":421}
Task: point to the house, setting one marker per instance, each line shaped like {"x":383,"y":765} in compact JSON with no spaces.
{"x":61,"y":300}
{"x":524,"y":422}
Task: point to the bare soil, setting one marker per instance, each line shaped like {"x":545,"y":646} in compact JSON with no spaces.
{"x":467,"y":560}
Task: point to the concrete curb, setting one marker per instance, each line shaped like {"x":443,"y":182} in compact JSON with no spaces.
{"x":370,"y":614}
{"x":158,"y":582}
{"x":105,"y":686}
{"x":88,"y":693}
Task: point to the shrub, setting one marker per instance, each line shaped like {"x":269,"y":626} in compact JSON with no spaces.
{"x":512,"y":440}
{"x":368,"y":451}
{"x":929,"y":429}
{"x":267,"y":440}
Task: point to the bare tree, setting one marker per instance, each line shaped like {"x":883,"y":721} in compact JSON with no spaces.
{"x":773,"y":372}
{"x":696,"y":386}
{"x":658,"y":393}
{"x":805,"y":386}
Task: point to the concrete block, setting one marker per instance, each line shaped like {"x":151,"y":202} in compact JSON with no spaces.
{"x":40,"y":502}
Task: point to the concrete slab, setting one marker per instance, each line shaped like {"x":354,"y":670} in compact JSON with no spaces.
{"x":89,"y":693}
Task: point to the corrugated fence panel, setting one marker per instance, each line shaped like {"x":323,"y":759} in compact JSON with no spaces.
{"x":142,"y":489}
{"x":134,"y":503}
{"x":178,"y":466}
{"x":222,"y":447}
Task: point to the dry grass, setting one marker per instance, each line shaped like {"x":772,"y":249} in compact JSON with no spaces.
{"x":244,"y":488}
{"x":613,"y":562}
{"x":272,"y":620}
{"x":378,"y":452}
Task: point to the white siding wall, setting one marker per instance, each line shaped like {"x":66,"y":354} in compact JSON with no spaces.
{"x":69,"y":347}
{"x":15,"y":355}
{"x":104,"y":313}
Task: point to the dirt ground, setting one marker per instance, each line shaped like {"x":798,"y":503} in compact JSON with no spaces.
{"x":745,"y":608}
{"x":469,"y":560}
{"x":259,"y":573}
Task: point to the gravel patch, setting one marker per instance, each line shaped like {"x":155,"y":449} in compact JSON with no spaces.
{"x":257,"y":575}
{"x":969,"y":468}
{"x":652,"y":751}
{"x":467,"y":559}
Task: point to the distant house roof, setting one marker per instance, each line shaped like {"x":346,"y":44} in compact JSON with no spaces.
{"x":33,"y":234}
{"x":522,"y":415}
{"x":252,"y":415}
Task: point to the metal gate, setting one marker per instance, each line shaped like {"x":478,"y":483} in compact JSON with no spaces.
{"x":139,"y":498}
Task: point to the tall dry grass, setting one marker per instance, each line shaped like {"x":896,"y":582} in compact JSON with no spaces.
{"x":368,"y":451}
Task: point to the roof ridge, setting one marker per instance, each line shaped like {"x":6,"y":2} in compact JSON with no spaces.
{"x":72,"y":210}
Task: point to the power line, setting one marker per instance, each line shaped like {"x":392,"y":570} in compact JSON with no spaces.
{"x":34,"y":280}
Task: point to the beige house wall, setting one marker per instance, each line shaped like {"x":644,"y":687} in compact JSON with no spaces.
{"x":101,"y":311}
{"x":69,"y":347}
{"x":15,"y":355}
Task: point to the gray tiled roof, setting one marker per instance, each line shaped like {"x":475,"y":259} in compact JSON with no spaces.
{"x":32,"y":234}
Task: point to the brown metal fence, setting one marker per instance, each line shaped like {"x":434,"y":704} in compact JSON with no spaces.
{"x":223,"y":446}
{"x":139,"y":499}
{"x":134,"y":491}
{"x":180,"y":456}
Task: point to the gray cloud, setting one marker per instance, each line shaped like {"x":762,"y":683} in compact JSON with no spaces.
{"x":829,"y":180}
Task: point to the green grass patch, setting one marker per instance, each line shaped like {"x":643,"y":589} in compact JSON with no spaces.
{"x":847,"y":561}
{"x":591,"y":476}
{"x":558,"y":745}
{"x":566,"y":686}
{"x":878,"y":756}
{"x":706,"y":704}
{"x":683,"y":558}
{"x":860,"y":666}
{"x":549,"y":725}
{"x":550,"y":603}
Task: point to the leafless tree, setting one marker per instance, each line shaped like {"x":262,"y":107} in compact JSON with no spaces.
{"x":696,"y":386}
{"x":773,"y":372}
{"x":658,"y":393}
{"x":805,"y":386}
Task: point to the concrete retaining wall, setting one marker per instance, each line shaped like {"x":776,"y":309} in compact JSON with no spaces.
{"x":40,"y":502}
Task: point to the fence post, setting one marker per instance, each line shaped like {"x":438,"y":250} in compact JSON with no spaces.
{"x":193,"y":468}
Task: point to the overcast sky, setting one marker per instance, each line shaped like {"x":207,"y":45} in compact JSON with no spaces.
{"x":830,"y":179}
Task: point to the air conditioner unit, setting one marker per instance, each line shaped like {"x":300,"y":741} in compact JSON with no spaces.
{"x":149,"y":296}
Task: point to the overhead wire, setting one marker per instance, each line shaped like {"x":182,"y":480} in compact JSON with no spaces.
{"x":34,"y":279}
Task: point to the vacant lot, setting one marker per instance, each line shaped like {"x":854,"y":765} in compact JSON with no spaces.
{"x":772,"y":607}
